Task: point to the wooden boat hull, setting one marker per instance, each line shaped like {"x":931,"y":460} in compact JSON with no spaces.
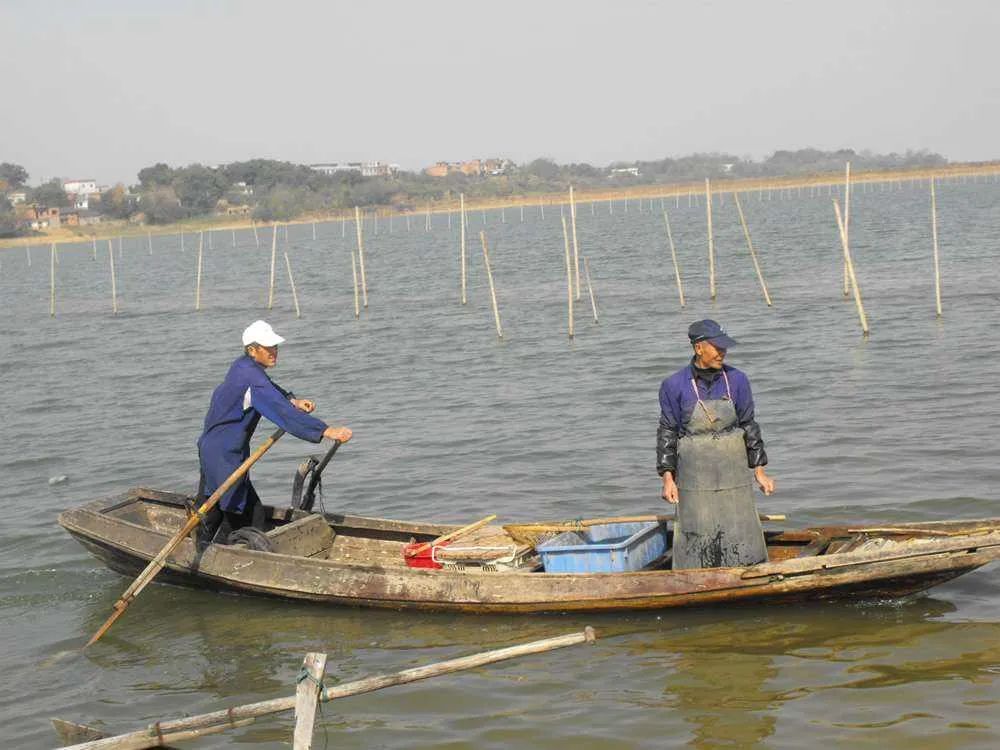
{"x":364,"y":566}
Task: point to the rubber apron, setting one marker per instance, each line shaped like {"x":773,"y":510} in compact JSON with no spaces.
{"x":717,"y":523}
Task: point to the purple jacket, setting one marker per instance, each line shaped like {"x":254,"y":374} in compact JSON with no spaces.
{"x":678,"y":401}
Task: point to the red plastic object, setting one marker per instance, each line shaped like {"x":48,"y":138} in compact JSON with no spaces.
{"x":422,"y":559}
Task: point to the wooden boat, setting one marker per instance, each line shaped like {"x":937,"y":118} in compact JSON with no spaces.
{"x":353,"y":560}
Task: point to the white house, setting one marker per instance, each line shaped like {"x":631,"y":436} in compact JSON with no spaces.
{"x":79,"y":191}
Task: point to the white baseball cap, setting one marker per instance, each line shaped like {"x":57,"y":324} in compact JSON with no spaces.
{"x":260,"y":332}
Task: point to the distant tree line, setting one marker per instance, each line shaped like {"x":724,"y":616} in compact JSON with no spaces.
{"x":277,"y":190}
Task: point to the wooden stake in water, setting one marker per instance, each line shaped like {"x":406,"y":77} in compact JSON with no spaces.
{"x":114,"y":281}
{"x":850,"y":269}
{"x":493,"y":291}
{"x":182,"y":241}
{"x":847,"y":222}
{"x":361,"y":254}
{"x":673,"y":257}
{"x":52,"y":280}
{"x":197,"y":288}
{"x":576,"y":247}
{"x":590,"y":288}
{"x":314,"y":231}
{"x":256,"y":237}
{"x":211,"y":235}
{"x":234,"y":237}
{"x":307,"y":699}
{"x":934,"y":235}
{"x":753,"y":255}
{"x":427,"y":223}
{"x":711,"y":241}
{"x":27,"y":252}
{"x":569,"y":280}
{"x":149,"y":241}
{"x":541,"y":207}
{"x":354,"y":274}
{"x":461,"y":219}
{"x":291,"y":280}
{"x":274,"y":260}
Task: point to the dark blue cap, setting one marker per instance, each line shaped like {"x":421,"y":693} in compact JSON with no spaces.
{"x":712,"y":332}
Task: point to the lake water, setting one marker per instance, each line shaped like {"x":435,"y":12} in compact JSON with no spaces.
{"x":452,"y":424}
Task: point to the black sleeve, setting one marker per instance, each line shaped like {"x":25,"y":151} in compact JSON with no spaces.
{"x":666,"y":448}
{"x":756,"y":456}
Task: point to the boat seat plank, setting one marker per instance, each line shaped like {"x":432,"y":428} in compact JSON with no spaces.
{"x":306,"y":537}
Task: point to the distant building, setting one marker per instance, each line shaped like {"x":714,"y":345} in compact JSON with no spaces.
{"x":79,"y":191}
{"x":364,"y":168}
{"x":37,"y":217}
{"x":472,"y":168}
{"x":17,"y":197}
{"x":621,"y":171}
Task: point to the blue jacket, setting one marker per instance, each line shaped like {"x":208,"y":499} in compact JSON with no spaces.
{"x":237,"y":405}
{"x":678,"y":401}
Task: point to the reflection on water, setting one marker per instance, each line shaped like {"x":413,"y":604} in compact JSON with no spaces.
{"x":451,"y":424}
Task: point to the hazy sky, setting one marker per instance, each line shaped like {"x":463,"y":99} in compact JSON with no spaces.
{"x":102,"y":88}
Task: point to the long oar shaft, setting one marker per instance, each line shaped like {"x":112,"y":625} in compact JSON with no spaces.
{"x":157,"y":564}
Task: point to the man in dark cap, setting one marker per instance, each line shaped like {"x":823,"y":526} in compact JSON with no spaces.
{"x":706,"y":441}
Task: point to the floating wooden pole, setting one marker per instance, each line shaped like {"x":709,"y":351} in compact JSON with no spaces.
{"x":493,"y":291}
{"x":361,"y":253}
{"x":934,"y":235}
{"x":291,"y":280}
{"x":354,"y":274}
{"x":590,"y":288}
{"x":711,"y":241}
{"x":52,"y":280}
{"x":461,"y":219}
{"x":673,"y":257}
{"x":850,"y":270}
{"x":176,"y":730}
{"x":753,"y":255}
{"x":847,"y":222}
{"x":576,"y":247}
{"x":274,"y":260}
{"x":114,"y":281}
{"x":307,"y":698}
{"x":256,"y":237}
{"x":569,"y":280}
{"x":197,"y":289}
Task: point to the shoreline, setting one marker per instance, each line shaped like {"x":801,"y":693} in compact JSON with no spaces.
{"x":112,"y":229}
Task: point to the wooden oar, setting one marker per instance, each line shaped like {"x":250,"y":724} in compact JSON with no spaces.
{"x":449,"y":536}
{"x":157,"y":564}
{"x":528,"y":533}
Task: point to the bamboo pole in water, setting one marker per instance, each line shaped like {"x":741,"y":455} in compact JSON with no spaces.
{"x":541,"y":207}
{"x":307,"y":699}
{"x":427,"y":224}
{"x":847,"y":222}
{"x":361,"y":253}
{"x":149,"y":241}
{"x":753,"y":254}
{"x":256,"y":237}
{"x":234,"y":237}
{"x":576,"y":247}
{"x":114,"y":280}
{"x":291,"y":280}
{"x":314,"y":231}
{"x":590,"y":288}
{"x":493,"y":291}
{"x":937,"y":265}
{"x":197,"y":289}
{"x":673,"y":257}
{"x":94,"y":244}
{"x":177,"y":730}
{"x":27,"y":253}
{"x":274,"y":260}
{"x":354,"y":274}
{"x":569,"y":280}
{"x":182,"y":241}
{"x":711,"y":241}
{"x":211,"y":241}
{"x":850,"y":269}
{"x":52,"y":280}
{"x":461,"y":219}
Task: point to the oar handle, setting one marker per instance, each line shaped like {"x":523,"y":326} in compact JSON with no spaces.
{"x":158,"y":562}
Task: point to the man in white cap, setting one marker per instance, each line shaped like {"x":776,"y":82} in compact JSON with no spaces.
{"x":237,"y":405}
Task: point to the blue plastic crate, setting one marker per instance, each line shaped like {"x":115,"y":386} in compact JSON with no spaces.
{"x":607,"y":548}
